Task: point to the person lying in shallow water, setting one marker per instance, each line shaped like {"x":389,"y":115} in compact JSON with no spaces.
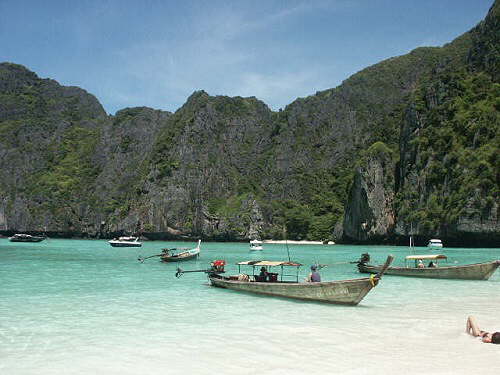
{"x":473,"y":329}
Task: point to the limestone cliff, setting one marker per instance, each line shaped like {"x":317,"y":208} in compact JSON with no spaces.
{"x":446,"y":180}
{"x":369,"y":216}
{"x":410,"y":142}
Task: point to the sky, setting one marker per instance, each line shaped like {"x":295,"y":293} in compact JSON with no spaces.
{"x":157,"y":53}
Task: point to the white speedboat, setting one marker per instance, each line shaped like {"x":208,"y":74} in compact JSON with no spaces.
{"x":21,"y":237}
{"x":256,"y":245}
{"x":435,"y":244}
{"x":125,"y":242}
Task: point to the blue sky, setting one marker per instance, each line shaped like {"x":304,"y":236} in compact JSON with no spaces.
{"x":156,"y":53}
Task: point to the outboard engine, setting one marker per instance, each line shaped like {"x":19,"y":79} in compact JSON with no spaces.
{"x":218,"y":266}
{"x":363,"y":260}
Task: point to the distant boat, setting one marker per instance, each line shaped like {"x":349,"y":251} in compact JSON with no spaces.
{"x":125,"y":242}
{"x":21,"y":237}
{"x":435,"y":244}
{"x":170,"y":255}
{"x":478,"y":271}
{"x":347,"y":292}
{"x":256,"y":245}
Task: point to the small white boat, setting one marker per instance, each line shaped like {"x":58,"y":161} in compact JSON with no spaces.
{"x":125,"y":242}
{"x":435,"y":244}
{"x":256,"y":245}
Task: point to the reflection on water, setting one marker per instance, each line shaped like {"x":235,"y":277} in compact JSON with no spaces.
{"x":80,"y":307}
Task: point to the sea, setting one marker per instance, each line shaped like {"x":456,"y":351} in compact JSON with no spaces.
{"x":84,"y":307}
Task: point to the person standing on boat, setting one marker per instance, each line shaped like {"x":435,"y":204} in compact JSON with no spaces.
{"x":314,"y":276}
{"x":263,"y":274}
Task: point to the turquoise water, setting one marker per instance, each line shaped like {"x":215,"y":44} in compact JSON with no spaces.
{"x":83,"y":307}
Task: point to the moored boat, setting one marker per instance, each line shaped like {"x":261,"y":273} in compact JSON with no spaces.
{"x":174,"y":255}
{"x":125,"y":242}
{"x":435,"y":244}
{"x":347,"y":292}
{"x":22,"y":237}
{"x":477,"y":271}
{"x":256,"y":245}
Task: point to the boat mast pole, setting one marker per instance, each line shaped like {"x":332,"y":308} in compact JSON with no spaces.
{"x":286,"y":243}
{"x":411,"y":238}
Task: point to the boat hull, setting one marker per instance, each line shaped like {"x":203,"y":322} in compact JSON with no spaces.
{"x":434,"y":247}
{"x":168,"y":259}
{"x":345,"y":292}
{"x":33,"y":239}
{"x":123,"y":244}
{"x":479,"y":271}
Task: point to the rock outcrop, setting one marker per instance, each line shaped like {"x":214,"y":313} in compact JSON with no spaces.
{"x":369,"y":216}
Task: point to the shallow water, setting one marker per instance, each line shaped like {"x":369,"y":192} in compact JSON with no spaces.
{"x":83,"y":307}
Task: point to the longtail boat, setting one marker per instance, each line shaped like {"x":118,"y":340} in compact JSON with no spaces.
{"x":477,"y":271}
{"x":347,"y":292}
{"x":176,"y":254}
{"x":169,"y":255}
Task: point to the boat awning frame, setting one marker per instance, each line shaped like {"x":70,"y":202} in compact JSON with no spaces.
{"x":426,"y":257}
{"x":268,"y":263}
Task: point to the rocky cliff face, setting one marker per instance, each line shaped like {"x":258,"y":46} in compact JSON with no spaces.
{"x":231,"y":169}
{"x":445,"y":182}
{"x":43,"y":126}
{"x":369,"y":216}
{"x":204,"y":163}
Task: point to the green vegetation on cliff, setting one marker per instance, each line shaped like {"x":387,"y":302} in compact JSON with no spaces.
{"x":421,"y":129}
{"x":457,"y":148}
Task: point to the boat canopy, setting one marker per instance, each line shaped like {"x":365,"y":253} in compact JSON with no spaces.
{"x":127,"y":238}
{"x":268,"y":263}
{"x":256,"y":242}
{"x":426,"y":257}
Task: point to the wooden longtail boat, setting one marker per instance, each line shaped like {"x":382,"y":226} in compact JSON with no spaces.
{"x":169,"y":255}
{"x":478,"y":271}
{"x":175,"y":254}
{"x":347,"y":292}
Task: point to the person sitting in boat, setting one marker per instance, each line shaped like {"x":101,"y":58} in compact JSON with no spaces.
{"x":263,"y":274}
{"x":314,"y":276}
{"x":432,"y":264}
{"x":421,"y":264}
{"x":473,"y":329}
